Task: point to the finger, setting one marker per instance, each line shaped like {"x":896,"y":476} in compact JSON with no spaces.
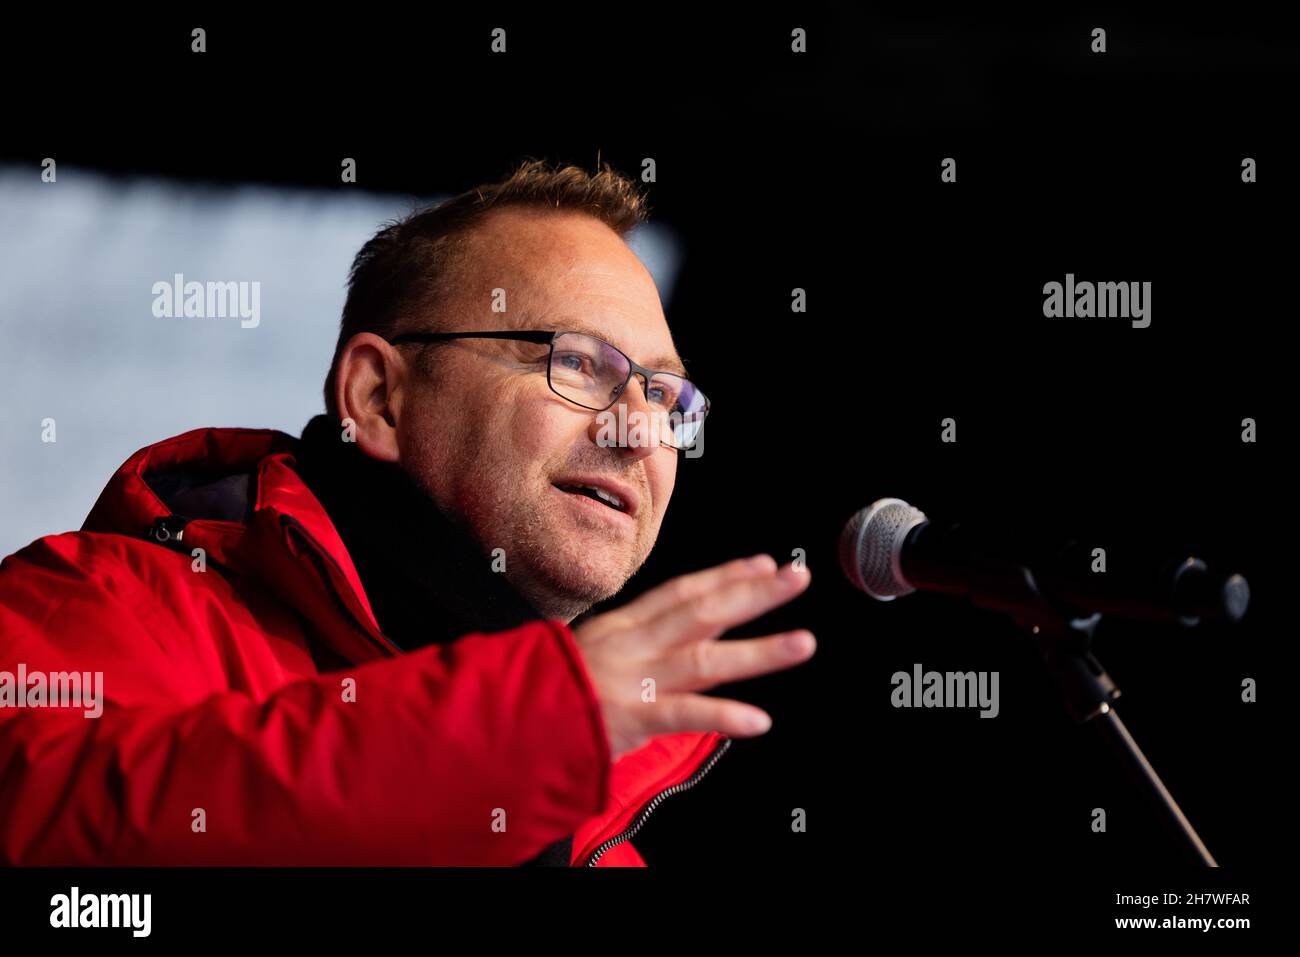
{"x":709,"y":615}
{"x":706,"y":664}
{"x":685,"y":588}
{"x":674,"y":713}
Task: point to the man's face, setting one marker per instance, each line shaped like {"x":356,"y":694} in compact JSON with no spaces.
{"x":489,"y":440}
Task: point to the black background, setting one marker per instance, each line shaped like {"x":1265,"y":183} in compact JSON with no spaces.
{"x":924,"y":301}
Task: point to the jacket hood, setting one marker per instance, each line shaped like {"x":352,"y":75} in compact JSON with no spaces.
{"x":234,"y":493}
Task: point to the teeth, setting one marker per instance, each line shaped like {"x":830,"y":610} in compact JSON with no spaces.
{"x":607,"y":497}
{"x":612,"y":499}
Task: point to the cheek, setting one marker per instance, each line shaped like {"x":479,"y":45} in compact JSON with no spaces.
{"x":541,"y":429}
{"x":495,"y":421}
{"x":661,"y":472}
{"x":433,"y":445}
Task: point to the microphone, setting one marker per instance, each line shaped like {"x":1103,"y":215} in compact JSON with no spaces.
{"x":890,"y":549}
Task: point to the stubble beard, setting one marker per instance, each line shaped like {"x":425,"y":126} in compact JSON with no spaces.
{"x":566,"y":567}
{"x":555,"y":562}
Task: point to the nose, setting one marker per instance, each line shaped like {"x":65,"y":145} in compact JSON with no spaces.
{"x":629,"y":424}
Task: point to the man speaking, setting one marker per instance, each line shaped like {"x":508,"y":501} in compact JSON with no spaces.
{"x":355,"y":647}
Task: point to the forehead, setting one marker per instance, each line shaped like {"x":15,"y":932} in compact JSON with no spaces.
{"x":564,"y":271}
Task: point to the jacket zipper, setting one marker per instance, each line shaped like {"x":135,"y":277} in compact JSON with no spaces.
{"x":647,"y":809}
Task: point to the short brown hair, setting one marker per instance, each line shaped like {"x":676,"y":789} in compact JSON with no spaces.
{"x":400,"y":276}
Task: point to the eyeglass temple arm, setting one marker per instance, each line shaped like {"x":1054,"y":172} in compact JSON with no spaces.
{"x":542,"y":337}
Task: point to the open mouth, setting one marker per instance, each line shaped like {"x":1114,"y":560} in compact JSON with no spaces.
{"x":596,"y":494}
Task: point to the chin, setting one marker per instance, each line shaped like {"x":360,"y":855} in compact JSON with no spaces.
{"x":570,"y":581}
{"x":594,"y":575}
{"x":562,"y":565}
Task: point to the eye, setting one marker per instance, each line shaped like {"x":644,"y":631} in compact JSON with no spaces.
{"x":572,"y":361}
{"x":663,"y":396}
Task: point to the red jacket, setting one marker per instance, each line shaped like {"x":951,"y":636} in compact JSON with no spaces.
{"x":214,"y":698}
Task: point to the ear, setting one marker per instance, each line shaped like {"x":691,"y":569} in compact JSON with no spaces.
{"x":369,"y":387}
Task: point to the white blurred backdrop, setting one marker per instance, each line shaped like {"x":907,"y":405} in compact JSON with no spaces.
{"x":79,"y":342}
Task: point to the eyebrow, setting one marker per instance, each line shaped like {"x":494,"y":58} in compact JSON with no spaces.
{"x":661,"y":364}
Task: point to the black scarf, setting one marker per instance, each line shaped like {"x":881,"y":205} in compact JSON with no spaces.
{"x":427,"y":580}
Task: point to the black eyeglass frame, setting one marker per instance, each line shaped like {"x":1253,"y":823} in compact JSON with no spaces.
{"x":547,"y":337}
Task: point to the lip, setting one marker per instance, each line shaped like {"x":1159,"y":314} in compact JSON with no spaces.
{"x":628,"y":496}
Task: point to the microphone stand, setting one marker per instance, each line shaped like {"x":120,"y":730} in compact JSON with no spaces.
{"x":1066,"y":644}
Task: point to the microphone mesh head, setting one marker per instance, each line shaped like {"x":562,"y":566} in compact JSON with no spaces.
{"x":871,"y":543}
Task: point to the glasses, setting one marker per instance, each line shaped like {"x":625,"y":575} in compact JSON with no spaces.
{"x":591,"y":373}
